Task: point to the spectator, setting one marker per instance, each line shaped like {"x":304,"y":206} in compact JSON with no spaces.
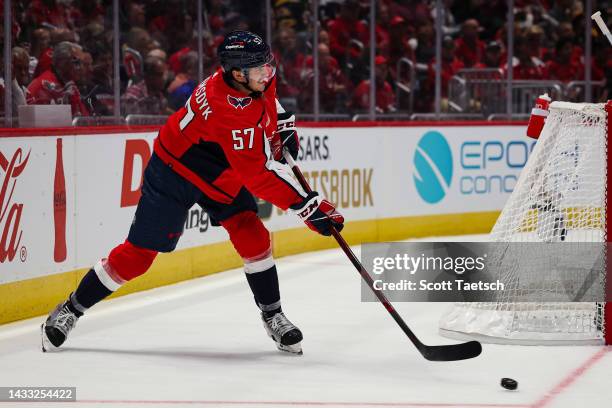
{"x":58,"y":84}
{"x":57,"y":36}
{"x":91,"y":34}
{"x":140,"y":40}
{"x":383,"y":20}
{"x":158,"y":53}
{"x":526,"y":68}
{"x":344,"y":28}
{"x":86,"y":68}
{"x":492,"y":57}
{"x":469,"y":48}
{"x":288,"y":14}
{"x":98,"y":94}
{"x":20,"y":78}
{"x":184,"y":82}
{"x":565,"y":31}
{"x":174,"y":62}
{"x":41,"y":41}
{"x":385,"y":99}
{"x":147,"y":96}
{"x":540,"y":18}
{"x":333,"y":85}
{"x":562,"y":67}
{"x":425,"y":46}
{"x":137,"y":47}
{"x":290,"y":63}
{"x":535,"y":40}
{"x":210,"y":45}
{"x":136,"y":15}
{"x":324,"y":37}
{"x":450,"y":65}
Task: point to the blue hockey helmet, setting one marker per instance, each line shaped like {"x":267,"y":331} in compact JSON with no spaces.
{"x":242,"y":50}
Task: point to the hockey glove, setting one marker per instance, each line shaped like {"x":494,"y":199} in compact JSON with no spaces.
{"x":319,"y":214}
{"x":288,"y":134}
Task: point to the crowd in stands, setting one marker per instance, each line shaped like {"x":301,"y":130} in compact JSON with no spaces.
{"x":63,"y":49}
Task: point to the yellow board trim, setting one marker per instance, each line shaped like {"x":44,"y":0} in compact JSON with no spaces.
{"x":35,"y":297}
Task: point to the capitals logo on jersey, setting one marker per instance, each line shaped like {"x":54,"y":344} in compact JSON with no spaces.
{"x":239,"y":102}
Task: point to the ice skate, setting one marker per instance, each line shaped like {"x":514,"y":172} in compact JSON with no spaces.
{"x":55,"y":330}
{"x":284,"y":333}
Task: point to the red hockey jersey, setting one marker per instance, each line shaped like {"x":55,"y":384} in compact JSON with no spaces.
{"x":222,"y":139}
{"x":48,"y":89}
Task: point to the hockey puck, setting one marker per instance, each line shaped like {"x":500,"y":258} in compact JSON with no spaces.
{"x":509,"y":383}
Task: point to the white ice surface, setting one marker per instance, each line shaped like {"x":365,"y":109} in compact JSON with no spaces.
{"x":201,"y":343}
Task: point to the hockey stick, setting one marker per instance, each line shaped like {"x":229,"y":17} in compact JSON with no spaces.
{"x":602,"y":26}
{"x":451,"y":352}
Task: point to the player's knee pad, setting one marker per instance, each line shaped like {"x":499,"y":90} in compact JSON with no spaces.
{"x":128,"y":261}
{"x":250,"y":238}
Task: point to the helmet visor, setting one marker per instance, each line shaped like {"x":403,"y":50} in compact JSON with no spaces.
{"x":263,"y":73}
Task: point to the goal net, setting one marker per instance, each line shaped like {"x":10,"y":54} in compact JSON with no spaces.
{"x":560,"y":198}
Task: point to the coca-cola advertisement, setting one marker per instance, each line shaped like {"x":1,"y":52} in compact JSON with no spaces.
{"x":11,"y":208}
{"x":36,"y":206}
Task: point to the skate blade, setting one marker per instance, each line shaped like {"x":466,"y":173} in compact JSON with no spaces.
{"x":46,"y":344}
{"x":292,"y":349}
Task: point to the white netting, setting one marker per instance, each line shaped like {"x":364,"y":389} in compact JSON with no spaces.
{"x":560,"y":197}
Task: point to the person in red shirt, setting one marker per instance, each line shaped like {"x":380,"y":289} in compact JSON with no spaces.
{"x":58,"y":35}
{"x":224,"y":146}
{"x":333,"y":84}
{"x":382,"y":35}
{"x":291,"y":63}
{"x":492,"y":57}
{"x":346,"y":27}
{"x":385,"y":98}
{"x":41,"y":41}
{"x":58,"y":85}
{"x":450,"y":65}
{"x":526,"y":67}
{"x":469,"y":48}
{"x":563,"y":67}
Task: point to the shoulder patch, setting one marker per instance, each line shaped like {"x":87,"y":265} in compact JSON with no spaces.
{"x":239,"y":102}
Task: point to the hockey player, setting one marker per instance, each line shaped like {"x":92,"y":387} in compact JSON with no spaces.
{"x":222,"y":147}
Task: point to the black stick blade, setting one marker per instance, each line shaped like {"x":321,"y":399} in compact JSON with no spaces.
{"x":451,"y":352}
